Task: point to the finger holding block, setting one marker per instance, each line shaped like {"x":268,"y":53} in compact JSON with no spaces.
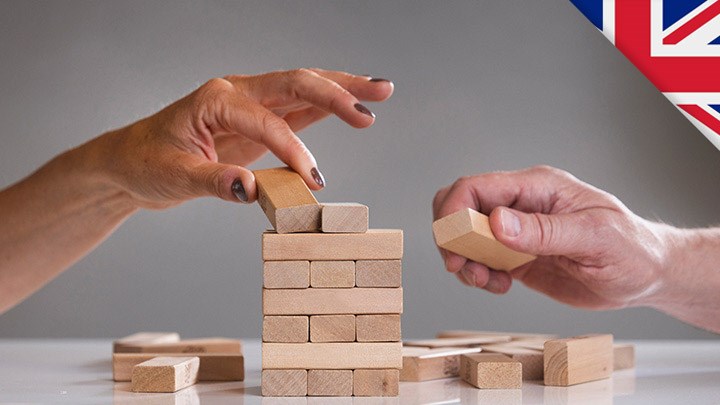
{"x":165,"y":374}
{"x":344,"y":218}
{"x":287,"y":201}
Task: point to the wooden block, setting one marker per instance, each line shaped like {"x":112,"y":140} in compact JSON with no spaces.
{"x":491,"y":371}
{"x":458,"y":342}
{"x":376,"y":383}
{"x":338,"y":356}
{"x":333,"y":301}
{"x":332,"y":328}
{"x":121,"y":345}
{"x":287,"y":201}
{"x":623,"y":356}
{"x":213,"y":366}
{"x":284,"y":383}
{"x":513,"y":335}
{"x":330,"y":383}
{"x":332,"y":274}
{"x":577,"y":360}
{"x":375,"y":244}
{"x":378,"y":273}
{"x":532,"y":344}
{"x":378,"y":328}
{"x":165,"y":374}
{"x":467,"y":233}
{"x":422,"y":364}
{"x":285,"y":329}
{"x":531,"y":360}
{"x":344,"y":218}
{"x":289,"y":274}
{"x":205,"y":345}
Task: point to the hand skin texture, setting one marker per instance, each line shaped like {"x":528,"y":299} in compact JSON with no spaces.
{"x":593,"y":252}
{"x":196,"y":147}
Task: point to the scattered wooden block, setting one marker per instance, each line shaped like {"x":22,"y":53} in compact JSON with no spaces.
{"x":121,"y":345}
{"x":337,"y":356}
{"x":375,"y":244}
{"x":344,"y":218}
{"x":330,"y":383}
{"x":623,"y":356}
{"x":376,"y":383}
{"x":285,"y":329}
{"x":289,"y":274}
{"x":213,"y":366}
{"x":165,"y":374}
{"x":378,"y":328}
{"x":332,"y":274}
{"x":422,"y":364}
{"x":513,"y":335}
{"x":458,"y":342}
{"x":332,"y":328}
{"x":532,"y":344}
{"x":467,"y":233}
{"x":287,"y":201}
{"x":491,"y":370}
{"x":378,"y":273}
{"x":577,"y":360}
{"x":284,"y":383}
{"x":531,"y":360}
{"x":333,"y":301}
{"x":205,"y":345}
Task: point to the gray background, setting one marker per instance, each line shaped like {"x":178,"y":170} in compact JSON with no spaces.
{"x":480,"y":86}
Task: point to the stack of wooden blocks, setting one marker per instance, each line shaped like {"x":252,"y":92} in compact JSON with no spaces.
{"x":332,"y":295}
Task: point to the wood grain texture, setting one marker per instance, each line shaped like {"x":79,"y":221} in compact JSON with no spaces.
{"x":467,"y":233}
{"x":287,"y":201}
{"x":287,"y":274}
{"x":204,"y":345}
{"x":285,"y":329}
{"x":165,"y":374}
{"x":376,"y":383}
{"x":338,"y":356}
{"x":330,"y":383}
{"x":344,"y":218}
{"x":121,"y":345}
{"x":332,"y":328}
{"x":378,"y":273}
{"x":213,"y":366}
{"x":531,"y":360}
{"x":333,"y":301}
{"x":458,"y":333}
{"x":284,"y":383}
{"x":332,"y":274}
{"x":458,"y":342}
{"x":422,"y":364}
{"x":491,"y":371}
{"x":375,"y":244}
{"x":577,"y":360}
{"x":378,"y":328}
{"x":623,"y":356}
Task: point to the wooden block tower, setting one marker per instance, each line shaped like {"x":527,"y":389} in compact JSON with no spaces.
{"x":332,"y":295}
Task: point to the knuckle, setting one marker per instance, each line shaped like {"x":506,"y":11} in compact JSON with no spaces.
{"x":301,"y":73}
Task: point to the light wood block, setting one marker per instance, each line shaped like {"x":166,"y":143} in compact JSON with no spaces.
{"x":338,"y":356}
{"x":491,"y":371}
{"x":213,"y":366}
{"x":344,"y":218}
{"x":513,"y":335}
{"x":375,"y":244}
{"x":378,"y":328}
{"x":422,"y":364}
{"x":458,"y":342}
{"x":330,"y":383}
{"x":332,"y":274}
{"x":467,"y":233}
{"x":577,"y":360}
{"x":332,"y":328}
{"x":333,"y":301}
{"x":623,"y":356}
{"x":121,"y":345}
{"x":376,"y":383}
{"x":289,"y":274}
{"x":531,"y":360}
{"x":285,"y":329}
{"x":205,"y":345}
{"x":378,"y":273}
{"x":532,"y":344}
{"x":165,"y":374}
{"x":287,"y":201}
{"x":284,"y":383}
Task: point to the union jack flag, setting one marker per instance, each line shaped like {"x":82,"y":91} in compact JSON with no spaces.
{"x":676,"y":44}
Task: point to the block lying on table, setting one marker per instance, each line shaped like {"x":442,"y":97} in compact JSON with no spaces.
{"x":285,"y":329}
{"x":513,"y":335}
{"x":344,"y":218}
{"x":491,"y":370}
{"x":378,"y":273}
{"x":121,"y":345}
{"x":165,"y":374}
{"x":531,"y":360}
{"x":422,"y":364}
{"x":333,"y":301}
{"x":204,"y":345}
{"x":337,"y":356}
{"x":213,"y":366}
{"x":284,"y":383}
{"x":375,"y":244}
{"x":578,"y":360}
{"x":286,"y":274}
{"x":330,"y":383}
{"x":623,"y":356}
{"x":458,"y":342}
{"x":287,"y":201}
{"x":376,"y":383}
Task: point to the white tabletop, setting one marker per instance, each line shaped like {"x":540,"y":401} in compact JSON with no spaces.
{"x":79,"y":372}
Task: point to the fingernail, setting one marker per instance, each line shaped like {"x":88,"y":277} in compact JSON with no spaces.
{"x":378,"y":79}
{"x":492,"y":285}
{"x":469,"y":276}
{"x":239,"y":191}
{"x":317,"y":176}
{"x":510,"y":223}
{"x":364,"y":110}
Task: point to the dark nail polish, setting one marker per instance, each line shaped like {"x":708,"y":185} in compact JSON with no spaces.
{"x":364,"y":110}
{"x":317,"y":176}
{"x":378,"y":79}
{"x":239,"y":191}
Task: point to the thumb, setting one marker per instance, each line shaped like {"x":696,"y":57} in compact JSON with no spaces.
{"x":228,"y":182}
